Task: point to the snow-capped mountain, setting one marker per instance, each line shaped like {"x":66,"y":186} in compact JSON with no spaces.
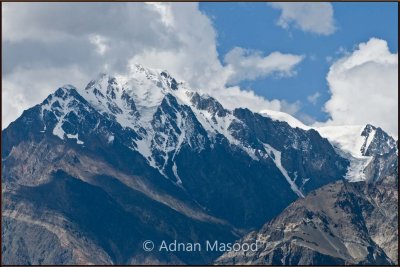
{"x":163,"y":115}
{"x":161,"y":161}
{"x":360,"y":144}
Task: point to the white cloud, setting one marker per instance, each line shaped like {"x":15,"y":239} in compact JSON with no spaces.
{"x":71,"y":42}
{"x":100,"y":43}
{"x":165,"y":12}
{"x":248,"y":65}
{"x":313,"y":98}
{"x":364,"y":87}
{"x":233,"y":97}
{"x":309,"y":17}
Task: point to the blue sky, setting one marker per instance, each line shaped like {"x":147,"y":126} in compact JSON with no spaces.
{"x":253,"y":26}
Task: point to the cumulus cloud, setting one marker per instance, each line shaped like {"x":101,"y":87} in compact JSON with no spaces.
{"x":46,"y":45}
{"x":364,"y":87}
{"x":231,"y":96}
{"x":80,"y":30}
{"x":309,"y":17}
{"x":248,"y":65}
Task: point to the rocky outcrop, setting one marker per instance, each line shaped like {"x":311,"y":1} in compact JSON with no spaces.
{"x":340,"y":223}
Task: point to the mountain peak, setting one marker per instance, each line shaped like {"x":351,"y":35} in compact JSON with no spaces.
{"x":62,"y":94}
{"x":138,"y":77}
{"x":360,"y":144}
{"x":377,"y":141}
{"x":161,"y":78}
{"x":104,"y":85}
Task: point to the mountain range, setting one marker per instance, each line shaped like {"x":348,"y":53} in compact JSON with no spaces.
{"x":91,"y":173}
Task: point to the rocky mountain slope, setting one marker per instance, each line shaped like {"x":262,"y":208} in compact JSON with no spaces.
{"x":340,"y":223}
{"x":93,"y":172}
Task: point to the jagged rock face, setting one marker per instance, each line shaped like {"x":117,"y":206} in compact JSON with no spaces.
{"x":340,"y":223}
{"x":209,"y":104}
{"x":382,"y":165}
{"x":383,"y":153}
{"x":309,"y":159}
{"x":378,"y":142}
